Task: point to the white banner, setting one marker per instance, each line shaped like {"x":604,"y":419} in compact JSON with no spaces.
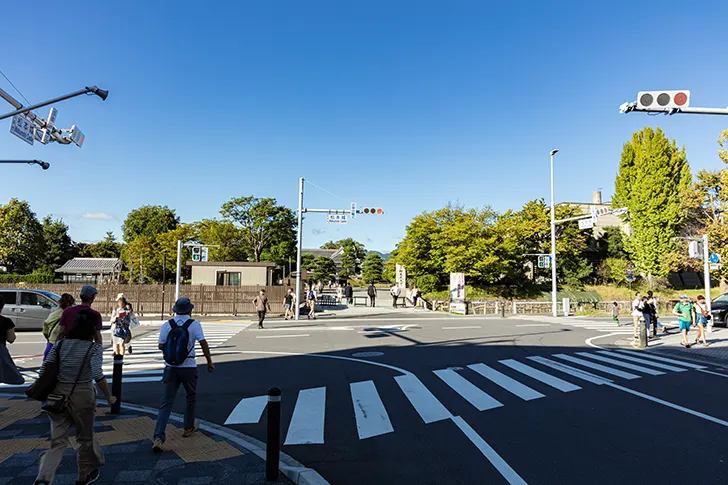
{"x":457,"y":287}
{"x":401,"y":276}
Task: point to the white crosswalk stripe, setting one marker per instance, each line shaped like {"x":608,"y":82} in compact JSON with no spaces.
{"x":652,"y":356}
{"x":369,"y":405}
{"x":598,"y":325}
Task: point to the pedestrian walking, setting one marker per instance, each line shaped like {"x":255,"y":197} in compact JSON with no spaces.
{"x":311,"y":299}
{"x":262,"y":306}
{"x":177,"y":339}
{"x":339,"y":293}
{"x":72,"y":403}
{"x":654,"y":314}
{"x":372,"y":292}
{"x":70,"y":314}
{"x":415,"y":295}
{"x":123,"y":321}
{"x":646,"y":310}
{"x":349,"y":293}
{"x":701,"y":319}
{"x":685,"y":317}
{"x":394,"y":291}
{"x":51,"y":329}
{"x":636,"y":313}
{"x":615,"y":313}
{"x":9,"y":373}
{"x":288,"y":305}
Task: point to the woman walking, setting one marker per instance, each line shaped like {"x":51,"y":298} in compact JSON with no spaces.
{"x":9,"y":373}
{"x":123,"y":321}
{"x":701,"y":319}
{"x":79,"y":364}
{"x":50,"y":326}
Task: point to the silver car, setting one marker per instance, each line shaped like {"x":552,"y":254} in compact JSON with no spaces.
{"x":28,"y":309}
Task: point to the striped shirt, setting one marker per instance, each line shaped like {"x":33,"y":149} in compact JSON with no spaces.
{"x":73,"y":352}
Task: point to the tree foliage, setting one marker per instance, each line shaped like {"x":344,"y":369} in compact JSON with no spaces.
{"x":150,"y":221}
{"x":308,"y":262}
{"x":108,"y":248}
{"x":654,"y":183}
{"x":222,"y":233}
{"x":372,"y":268}
{"x":324,"y":269}
{"x":21,"y":237}
{"x":352,"y":257}
{"x":57,"y":244}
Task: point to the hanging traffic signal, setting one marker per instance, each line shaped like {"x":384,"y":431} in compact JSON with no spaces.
{"x":373,"y":210}
{"x":658,"y":100}
{"x":196,"y":253}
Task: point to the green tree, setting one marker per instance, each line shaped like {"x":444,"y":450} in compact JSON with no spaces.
{"x":141,"y":260}
{"x":308,"y":262}
{"x":150,"y":221}
{"x":324,"y":269}
{"x":21,"y":238}
{"x":221,"y":233}
{"x":108,"y":248}
{"x":263,"y":223}
{"x":372,"y":268}
{"x":654,"y":183}
{"x":58,"y":247}
{"x":331,"y":245}
{"x":352,"y":257}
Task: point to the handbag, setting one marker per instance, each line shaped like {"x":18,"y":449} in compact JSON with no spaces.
{"x":47,"y":381}
{"x":58,"y":403}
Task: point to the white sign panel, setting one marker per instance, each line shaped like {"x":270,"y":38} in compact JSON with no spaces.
{"x":337,"y":218}
{"x":49,"y":126}
{"x":586,"y":223}
{"x":619,"y":211}
{"x":23,"y":128}
{"x":203,"y":255}
{"x":401,"y":276}
{"x":457,"y":287}
{"x":77,"y":136}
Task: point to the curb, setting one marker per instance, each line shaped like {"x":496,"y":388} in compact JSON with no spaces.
{"x":295,"y":471}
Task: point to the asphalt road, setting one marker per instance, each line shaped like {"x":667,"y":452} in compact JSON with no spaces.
{"x":453,"y":400}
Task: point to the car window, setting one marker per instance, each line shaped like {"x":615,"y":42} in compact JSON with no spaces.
{"x":34,"y":299}
{"x":722,"y":298}
{"x":10,"y":297}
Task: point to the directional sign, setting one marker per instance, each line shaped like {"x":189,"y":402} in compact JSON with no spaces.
{"x":49,"y":126}
{"x":23,"y":128}
{"x":353,"y":210}
{"x":619,"y":211}
{"x":337,"y":218}
{"x":203,"y":254}
{"x":714,"y":258}
{"x":586,"y":223}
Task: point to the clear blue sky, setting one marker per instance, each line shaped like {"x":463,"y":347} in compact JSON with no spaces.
{"x":405,"y":105}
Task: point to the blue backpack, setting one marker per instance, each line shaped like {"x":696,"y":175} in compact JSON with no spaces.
{"x":177,"y":346}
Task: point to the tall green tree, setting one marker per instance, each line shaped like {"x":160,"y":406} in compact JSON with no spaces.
{"x":21,"y":237}
{"x":108,"y":248}
{"x":150,"y":221}
{"x":372,"y":268}
{"x":263,"y":223}
{"x":324,"y":269}
{"x":308,"y":262}
{"x":352,"y":257}
{"x":58,"y":246}
{"x":221,"y":233}
{"x":654,"y":183}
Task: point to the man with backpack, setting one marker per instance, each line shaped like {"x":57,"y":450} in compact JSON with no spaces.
{"x":177,"y":342}
{"x":372,"y":292}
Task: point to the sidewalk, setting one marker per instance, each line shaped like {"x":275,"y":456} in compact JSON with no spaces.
{"x":213,"y":455}
{"x":716,"y":352}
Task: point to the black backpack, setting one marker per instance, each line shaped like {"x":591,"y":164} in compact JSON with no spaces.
{"x":371,"y":291}
{"x":177,"y":346}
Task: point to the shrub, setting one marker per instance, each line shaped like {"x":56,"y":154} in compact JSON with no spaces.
{"x":33,"y":278}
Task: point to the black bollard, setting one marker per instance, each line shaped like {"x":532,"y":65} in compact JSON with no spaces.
{"x":273,"y":444}
{"x":116,"y":383}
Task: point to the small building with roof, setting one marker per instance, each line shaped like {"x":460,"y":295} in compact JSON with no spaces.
{"x":91,"y":270}
{"x":233,"y":273}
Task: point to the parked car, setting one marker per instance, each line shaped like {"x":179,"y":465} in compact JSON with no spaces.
{"x":719,"y":309}
{"x":28,"y":309}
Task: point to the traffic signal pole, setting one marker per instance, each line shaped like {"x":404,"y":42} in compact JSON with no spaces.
{"x":554,"y":310}
{"x":299,"y":243}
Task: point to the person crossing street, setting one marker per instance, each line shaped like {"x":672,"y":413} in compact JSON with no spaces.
{"x":372,"y":293}
{"x":262,"y":306}
{"x":394,"y":291}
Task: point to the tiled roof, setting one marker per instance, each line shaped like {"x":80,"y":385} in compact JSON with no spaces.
{"x":334,"y":254}
{"x":252,"y":264}
{"x":91,"y":265}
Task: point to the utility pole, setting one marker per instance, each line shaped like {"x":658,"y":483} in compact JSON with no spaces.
{"x":554,"y":310}
{"x":298,"y":248}
{"x":706,"y":269}
{"x":179,"y":269}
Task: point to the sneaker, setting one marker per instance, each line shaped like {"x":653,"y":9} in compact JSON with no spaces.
{"x":157,"y":446}
{"x":705,"y":344}
{"x":189,"y":432}
{"x":90,"y":478}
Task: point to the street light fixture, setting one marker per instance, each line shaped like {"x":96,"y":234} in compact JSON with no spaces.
{"x":553,"y":239}
{"x":101,"y":93}
{"x":40,"y":163}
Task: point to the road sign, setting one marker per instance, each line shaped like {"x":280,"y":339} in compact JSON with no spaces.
{"x":45,"y":138}
{"x":714,"y":258}
{"x":715,"y":267}
{"x":203,"y":254}
{"x":619,"y":211}
{"x":77,"y":136}
{"x":353,"y":210}
{"x":337,"y":218}
{"x":586,"y":223}
{"x":23,"y":128}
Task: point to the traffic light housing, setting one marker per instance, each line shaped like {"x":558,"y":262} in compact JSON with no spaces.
{"x":663,"y":100}
{"x":196,"y":253}
{"x":373,"y":210}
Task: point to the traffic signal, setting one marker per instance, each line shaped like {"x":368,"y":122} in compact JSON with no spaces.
{"x":695,"y":250}
{"x":196,"y":253}
{"x":373,"y":210}
{"x":659,"y":100}
{"x":544,"y":261}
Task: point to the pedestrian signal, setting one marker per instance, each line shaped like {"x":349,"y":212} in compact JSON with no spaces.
{"x":544,"y":261}
{"x":196,"y":253}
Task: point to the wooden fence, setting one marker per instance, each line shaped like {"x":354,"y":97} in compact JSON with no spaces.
{"x":157,"y":300}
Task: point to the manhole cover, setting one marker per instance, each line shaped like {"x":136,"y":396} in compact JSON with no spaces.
{"x":367,"y":354}
{"x":201,"y":473}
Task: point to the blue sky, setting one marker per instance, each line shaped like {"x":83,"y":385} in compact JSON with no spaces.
{"x":404,"y":105}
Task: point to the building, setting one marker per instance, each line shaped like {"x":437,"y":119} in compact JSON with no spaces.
{"x":334,"y":254}
{"x":601,"y":221}
{"x":232,"y":273}
{"x":91,"y":270}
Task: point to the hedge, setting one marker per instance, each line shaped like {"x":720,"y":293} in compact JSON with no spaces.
{"x":35,"y":278}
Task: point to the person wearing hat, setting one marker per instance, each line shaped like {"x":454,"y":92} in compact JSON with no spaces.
{"x":70,"y":314}
{"x":685,"y":317}
{"x":123,"y":321}
{"x":184,"y":374}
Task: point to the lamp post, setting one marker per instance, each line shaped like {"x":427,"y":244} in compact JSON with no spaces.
{"x":101,"y":93}
{"x":553,"y":239}
{"x":40,"y":163}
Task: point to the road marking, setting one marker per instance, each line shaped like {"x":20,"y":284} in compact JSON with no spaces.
{"x":599,"y":367}
{"x":669,"y":404}
{"x":248,"y":410}
{"x":307,"y":423}
{"x":507,"y":383}
{"x":284,"y":336}
{"x":661,"y":359}
{"x":619,"y":363}
{"x":534,"y":325}
{"x":589,"y":340}
{"x":467,"y":390}
{"x":129,"y":380}
{"x":572,"y":371}
{"x":711,"y":372}
{"x":495,"y":459}
{"x":371,"y":415}
{"x":462,"y":328}
{"x":643,"y":361}
{"x":552,"y":381}
{"x":424,"y":402}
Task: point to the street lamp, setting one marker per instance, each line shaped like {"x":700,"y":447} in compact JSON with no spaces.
{"x":553,"y":239}
{"x":101,"y":93}
{"x":40,"y":163}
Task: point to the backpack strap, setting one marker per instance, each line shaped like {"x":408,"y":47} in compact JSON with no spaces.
{"x":172,"y":323}
{"x":187,"y":324}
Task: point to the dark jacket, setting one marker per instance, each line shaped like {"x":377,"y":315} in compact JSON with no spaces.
{"x":348,"y":291}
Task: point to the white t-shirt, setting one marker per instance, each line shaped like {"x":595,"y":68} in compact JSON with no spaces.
{"x":637,"y":307}
{"x":395,"y":291}
{"x":196,"y":335}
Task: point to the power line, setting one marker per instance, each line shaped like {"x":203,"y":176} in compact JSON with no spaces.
{"x":15,"y":87}
{"x":327,"y":191}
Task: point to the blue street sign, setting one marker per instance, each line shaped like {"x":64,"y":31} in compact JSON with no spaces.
{"x":353,"y":210}
{"x":714,"y":258}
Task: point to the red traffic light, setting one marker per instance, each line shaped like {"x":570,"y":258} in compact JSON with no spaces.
{"x":657,"y":100}
{"x":372,"y":210}
{"x":379,"y":210}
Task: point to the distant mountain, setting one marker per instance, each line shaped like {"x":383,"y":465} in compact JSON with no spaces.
{"x":384,"y":256}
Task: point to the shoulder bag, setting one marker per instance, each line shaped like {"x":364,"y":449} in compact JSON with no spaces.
{"x":58,"y":403}
{"x":47,"y":381}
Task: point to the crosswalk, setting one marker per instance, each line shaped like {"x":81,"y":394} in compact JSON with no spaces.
{"x":146,"y":363}
{"x":626,"y":326}
{"x":560,"y":372}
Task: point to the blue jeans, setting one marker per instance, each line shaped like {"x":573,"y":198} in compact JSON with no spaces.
{"x":173,"y":377}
